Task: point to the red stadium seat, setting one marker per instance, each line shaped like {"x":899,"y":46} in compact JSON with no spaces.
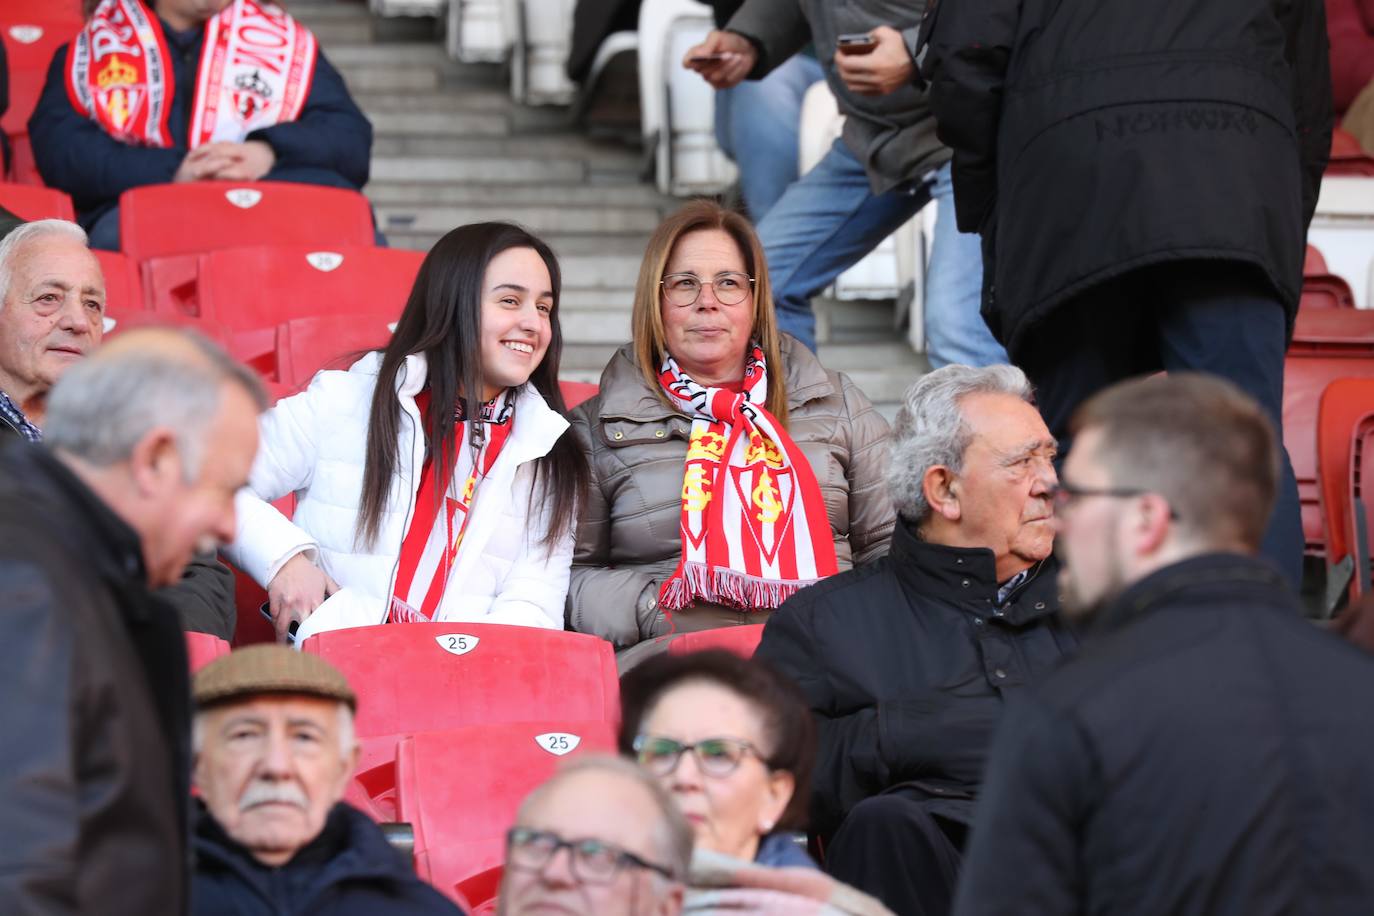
{"x":742,"y":640}
{"x":1345,"y":437}
{"x":33,"y":203}
{"x":1313,"y":264}
{"x":423,"y":677}
{"x":251,"y":626}
{"x":123,"y":292}
{"x":369,"y":285}
{"x":307,"y":345}
{"x":1320,"y":287}
{"x":460,"y":789}
{"x":164,"y":227}
{"x":32,"y":31}
{"x":1347,"y":332}
{"x":1306,"y":376}
{"x":477,"y":895}
{"x":575,"y":393}
{"x":117,"y":323}
{"x":1347,"y":156}
{"x":203,"y":648}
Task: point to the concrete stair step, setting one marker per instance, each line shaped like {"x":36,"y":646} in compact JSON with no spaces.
{"x":397,"y":54}
{"x":390,"y":193}
{"x":538,"y":219}
{"x":478,"y":99}
{"x":387,"y":78}
{"x":439,"y":123}
{"x":488,"y":169}
{"x":549,"y":148}
{"x":342,"y":31}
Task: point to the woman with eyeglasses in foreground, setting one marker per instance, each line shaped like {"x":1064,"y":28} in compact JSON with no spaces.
{"x":729,"y":467}
{"x":733,"y":743}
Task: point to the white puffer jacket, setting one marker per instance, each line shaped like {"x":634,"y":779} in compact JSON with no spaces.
{"x":314,"y":444}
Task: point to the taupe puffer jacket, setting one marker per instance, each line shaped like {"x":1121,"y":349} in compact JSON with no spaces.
{"x":629,"y":540}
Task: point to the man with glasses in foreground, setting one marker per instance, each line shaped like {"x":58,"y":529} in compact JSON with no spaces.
{"x":1208,"y":751}
{"x":908,"y":662}
{"x":600,"y":838}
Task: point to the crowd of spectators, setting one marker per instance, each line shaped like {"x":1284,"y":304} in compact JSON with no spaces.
{"x":992,"y":679}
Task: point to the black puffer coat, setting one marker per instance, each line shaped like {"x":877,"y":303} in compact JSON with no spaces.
{"x":1207,"y":753}
{"x":1094,"y":137}
{"x":907,"y":664}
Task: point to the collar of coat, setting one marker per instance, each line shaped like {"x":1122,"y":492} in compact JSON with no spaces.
{"x":1223,"y":579}
{"x":103,"y":540}
{"x":967,"y":576}
{"x":537,"y":425}
{"x":350,"y":848}
{"x":625,"y":395}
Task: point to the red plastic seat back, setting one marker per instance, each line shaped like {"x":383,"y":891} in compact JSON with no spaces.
{"x":477,"y":894}
{"x":254,"y":290}
{"x":1343,"y":417}
{"x":1313,"y":264}
{"x":575,"y":393}
{"x":307,"y":345}
{"x":33,"y":203}
{"x":1306,"y":376}
{"x":1347,"y":156}
{"x":423,"y":677}
{"x":123,"y":292}
{"x":460,"y":789}
{"x":32,"y":31}
{"x":1334,"y":332}
{"x":742,"y":640}
{"x":203,"y":648}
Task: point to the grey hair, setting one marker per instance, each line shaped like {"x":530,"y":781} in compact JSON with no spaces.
{"x":347,"y":735}
{"x":28,"y":232}
{"x":103,"y":406}
{"x":672,"y":834}
{"x":930,"y":429}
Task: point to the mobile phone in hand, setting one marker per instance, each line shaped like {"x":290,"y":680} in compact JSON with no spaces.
{"x":290,"y":630}
{"x":706,"y":58}
{"x":855,"y":43}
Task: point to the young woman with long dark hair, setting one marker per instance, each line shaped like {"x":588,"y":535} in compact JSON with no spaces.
{"x":433,"y":478}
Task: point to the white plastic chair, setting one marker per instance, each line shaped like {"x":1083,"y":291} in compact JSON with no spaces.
{"x":477,"y":31}
{"x":677,"y":107}
{"x":1343,"y":228}
{"x":540,"y":38}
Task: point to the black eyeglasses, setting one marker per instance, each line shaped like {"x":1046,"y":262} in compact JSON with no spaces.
{"x":592,"y":861}
{"x":730,"y":288}
{"x":1064,"y":495}
{"x":715,"y":756}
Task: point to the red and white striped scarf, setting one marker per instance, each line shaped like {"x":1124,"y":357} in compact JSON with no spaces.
{"x":754,"y":525}
{"x":256,"y":67}
{"x":432,"y":540}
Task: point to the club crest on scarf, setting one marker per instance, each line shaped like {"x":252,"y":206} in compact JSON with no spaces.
{"x":256,"y":67}
{"x":754,"y":526}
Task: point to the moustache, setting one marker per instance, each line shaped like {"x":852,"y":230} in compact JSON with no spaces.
{"x":266,"y":793}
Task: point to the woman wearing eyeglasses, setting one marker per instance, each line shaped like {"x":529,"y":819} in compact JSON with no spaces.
{"x":732,"y":742}
{"x":729,"y":467}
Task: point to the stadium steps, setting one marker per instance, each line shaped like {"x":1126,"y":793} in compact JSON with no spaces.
{"x":451,"y":147}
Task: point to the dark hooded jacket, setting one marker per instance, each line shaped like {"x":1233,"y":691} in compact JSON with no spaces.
{"x":907,"y":664}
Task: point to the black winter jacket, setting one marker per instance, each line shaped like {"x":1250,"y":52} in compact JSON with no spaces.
{"x":330,"y":143}
{"x":907,"y":664}
{"x":1091,"y":138}
{"x":94,"y":759}
{"x":1207,"y":753}
{"x":348,"y":870}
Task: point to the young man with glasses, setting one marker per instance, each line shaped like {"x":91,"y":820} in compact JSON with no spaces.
{"x":1208,"y":750}
{"x":600,"y":838}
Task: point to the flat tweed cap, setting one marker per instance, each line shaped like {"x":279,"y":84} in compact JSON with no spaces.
{"x":260,"y":669}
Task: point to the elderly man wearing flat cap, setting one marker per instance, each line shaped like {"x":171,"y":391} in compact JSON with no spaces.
{"x":274,"y":750}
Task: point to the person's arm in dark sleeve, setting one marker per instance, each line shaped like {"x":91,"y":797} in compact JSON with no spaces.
{"x":1309,"y":60}
{"x":75,"y":155}
{"x":331,"y":133}
{"x":849,"y":761}
{"x":966,"y":63}
{"x":204,"y":598}
{"x":777,"y":29}
{"x":1023,"y":854}
{"x":38,"y":785}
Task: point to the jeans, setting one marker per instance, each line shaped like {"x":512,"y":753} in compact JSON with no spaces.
{"x":758,"y":124}
{"x":104,"y":232}
{"x":1215,"y":317}
{"x":826,"y":222}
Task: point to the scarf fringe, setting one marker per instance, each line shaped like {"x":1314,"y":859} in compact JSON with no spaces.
{"x":722,"y":585}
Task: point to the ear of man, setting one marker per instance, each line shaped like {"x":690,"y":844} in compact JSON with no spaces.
{"x":941,"y":488}
{"x":155,"y":462}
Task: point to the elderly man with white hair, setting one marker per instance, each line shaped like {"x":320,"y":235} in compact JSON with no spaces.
{"x":274,"y":750}
{"x":908,"y":662}
{"x":52,"y":303}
